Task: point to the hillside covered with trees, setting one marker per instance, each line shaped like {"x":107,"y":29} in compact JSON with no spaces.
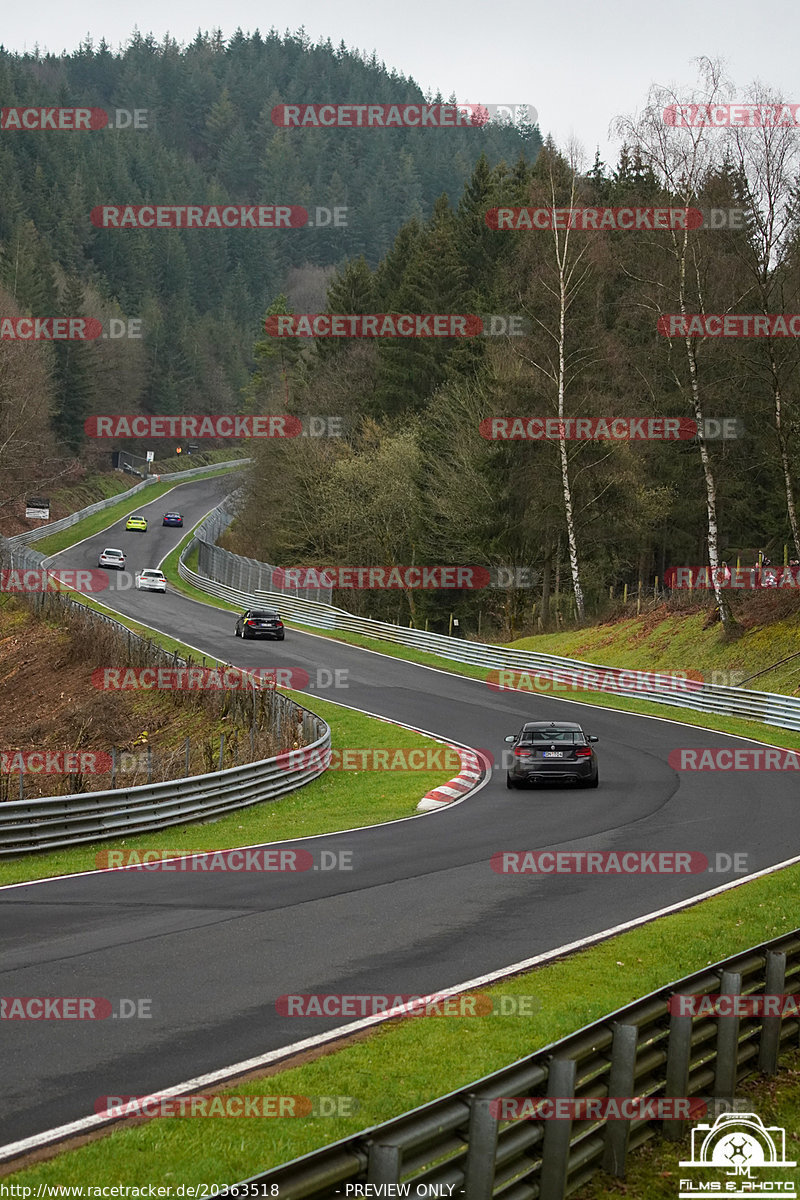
{"x":415,"y":481}
{"x":206,"y":137}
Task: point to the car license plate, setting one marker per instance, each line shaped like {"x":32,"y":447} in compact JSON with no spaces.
{"x":553,"y":754}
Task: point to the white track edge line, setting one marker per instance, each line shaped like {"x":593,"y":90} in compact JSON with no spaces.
{"x":60,"y":1133}
{"x":284,"y":841}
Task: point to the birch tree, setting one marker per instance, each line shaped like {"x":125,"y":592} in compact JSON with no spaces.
{"x":563,"y":279}
{"x":682,"y":159}
{"x":767,"y":158}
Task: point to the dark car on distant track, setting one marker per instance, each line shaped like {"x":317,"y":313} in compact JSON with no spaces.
{"x":172,"y":519}
{"x":260,"y":622}
{"x":552,"y":750}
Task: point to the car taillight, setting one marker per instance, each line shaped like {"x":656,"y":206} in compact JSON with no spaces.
{"x":521,"y":752}
{"x":249,"y":622}
{"x":583,"y":752}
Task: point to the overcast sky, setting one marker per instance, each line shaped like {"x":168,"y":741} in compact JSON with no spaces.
{"x":579,"y":63}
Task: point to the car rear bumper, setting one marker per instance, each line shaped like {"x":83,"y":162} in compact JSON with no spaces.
{"x":554,"y":771}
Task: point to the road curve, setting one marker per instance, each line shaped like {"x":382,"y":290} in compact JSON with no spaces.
{"x":420,"y":910}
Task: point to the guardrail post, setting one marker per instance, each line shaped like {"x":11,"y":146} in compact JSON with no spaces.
{"x":770,"y":1040}
{"x":679,"y":1050}
{"x":481,"y":1150}
{"x":620,"y":1083}
{"x":557,"y":1134}
{"x":384,"y":1163}
{"x":727,"y":1041}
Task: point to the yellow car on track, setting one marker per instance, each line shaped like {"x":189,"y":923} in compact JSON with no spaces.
{"x":137,"y":523}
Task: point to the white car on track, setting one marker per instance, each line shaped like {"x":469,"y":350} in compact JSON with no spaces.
{"x":112,"y":558}
{"x":151,"y":580}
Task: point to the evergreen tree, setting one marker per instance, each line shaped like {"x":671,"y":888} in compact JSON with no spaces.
{"x":74,"y":387}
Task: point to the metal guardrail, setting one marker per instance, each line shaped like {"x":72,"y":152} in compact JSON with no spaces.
{"x":33,"y":535}
{"x":51,"y":822}
{"x":639,"y":1050}
{"x":245,"y":576}
{"x":769,"y":708}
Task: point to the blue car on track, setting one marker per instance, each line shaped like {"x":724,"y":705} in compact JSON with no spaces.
{"x":172,"y":519}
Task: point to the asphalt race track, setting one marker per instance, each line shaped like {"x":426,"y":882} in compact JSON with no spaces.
{"x":420,"y":910}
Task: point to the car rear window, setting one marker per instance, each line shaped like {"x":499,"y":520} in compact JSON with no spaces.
{"x":570,"y":736}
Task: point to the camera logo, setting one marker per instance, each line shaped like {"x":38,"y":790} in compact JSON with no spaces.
{"x":738,"y":1144}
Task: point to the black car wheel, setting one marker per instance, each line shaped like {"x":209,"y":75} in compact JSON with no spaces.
{"x":592,"y":782}
{"x":510,"y":783}
{"x":280,"y":637}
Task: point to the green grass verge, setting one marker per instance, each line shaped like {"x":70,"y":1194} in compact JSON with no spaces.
{"x":108,"y":516}
{"x":94,"y":487}
{"x":414,"y":1060}
{"x":674,"y":641}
